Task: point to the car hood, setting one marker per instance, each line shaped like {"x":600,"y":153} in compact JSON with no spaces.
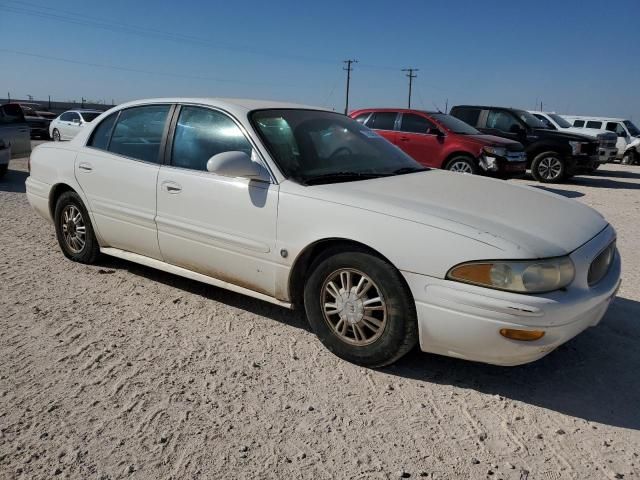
{"x":510,"y":145}
{"x":524,"y":221}
{"x":573,"y":137}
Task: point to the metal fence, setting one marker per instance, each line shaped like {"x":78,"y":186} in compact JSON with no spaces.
{"x":59,"y":107}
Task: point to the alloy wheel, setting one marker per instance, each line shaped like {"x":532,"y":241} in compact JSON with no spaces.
{"x":73,"y":228}
{"x":550,"y":168}
{"x":460,"y":167}
{"x":353,"y":307}
{"x":56,"y":136}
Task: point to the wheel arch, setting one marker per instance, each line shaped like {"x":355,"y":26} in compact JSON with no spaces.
{"x":314,"y":252}
{"x":458,"y":153}
{"x":56,"y":191}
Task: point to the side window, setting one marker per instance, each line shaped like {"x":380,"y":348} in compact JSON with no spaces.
{"x":502,"y":121}
{"x":382,"y":120}
{"x":362,"y":117}
{"x":545,"y":120}
{"x":594,"y":124}
{"x":578,"y":123}
{"x":66,"y":117}
{"x":11,"y":114}
{"x":413,"y":123}
{"x":468,"y":115}
{"x":202,"y":133}
{"x":74,"y":117}
{"x":617,"y":128}
{"x":101,"y":135}
{"x":138,"y":133}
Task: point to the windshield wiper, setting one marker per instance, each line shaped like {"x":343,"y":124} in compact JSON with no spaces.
{"x":341,"y":177}
{"x":404,"y":170}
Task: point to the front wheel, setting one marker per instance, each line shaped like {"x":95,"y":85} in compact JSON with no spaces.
{"x":74,"y":230}
{"x":56,"y":135}
{"x":360,"y":308}
{"x":462,"y":164}
{"x":548,"y":167}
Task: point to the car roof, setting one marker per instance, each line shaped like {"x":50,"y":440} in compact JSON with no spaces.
{"x":488,"y":107}
{"x":598,"y":119}
{"x":234,"y":105}
{"x":390,"y":109}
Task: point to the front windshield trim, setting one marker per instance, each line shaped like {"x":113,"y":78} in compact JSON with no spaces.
{"x":524,"y":116}
{"x":303,"y":146}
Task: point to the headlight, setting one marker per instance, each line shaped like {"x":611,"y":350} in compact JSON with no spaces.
{"x":536,"y":276}
{"x":497,"y":151}
{"x":576,"y":147}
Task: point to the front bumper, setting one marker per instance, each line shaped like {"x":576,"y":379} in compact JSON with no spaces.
{"x":515,"y":165}
{"x":464,"y":321}
{"x":607,"y":154}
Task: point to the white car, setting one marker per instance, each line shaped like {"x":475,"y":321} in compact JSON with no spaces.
{"x":304,"y":207}
{"x":68,"y":124}
{"x":628,"y":142}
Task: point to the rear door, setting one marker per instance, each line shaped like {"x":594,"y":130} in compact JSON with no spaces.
{"x":14,"y":130}
{"x":416,"y":137}
{"x":118,"y":171}
{"x":385,"y":124}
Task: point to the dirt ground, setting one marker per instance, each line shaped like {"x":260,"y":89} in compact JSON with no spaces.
{"x":119,"y":371}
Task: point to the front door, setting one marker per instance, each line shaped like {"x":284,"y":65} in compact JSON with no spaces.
{"x":118,"y":172}
{"x":219,"y":226}
{"x":418,"y":139}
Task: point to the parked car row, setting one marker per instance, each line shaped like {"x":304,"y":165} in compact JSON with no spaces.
{"x":307,"y":208}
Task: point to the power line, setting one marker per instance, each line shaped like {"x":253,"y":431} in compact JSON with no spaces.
{"x":348,"y":69}
{"x":411,"y":77}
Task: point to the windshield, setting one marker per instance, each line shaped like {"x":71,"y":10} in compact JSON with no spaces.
{"x":562,"y":123}
{"x":454,"y":125}
{"x":321,"y":147}
{"x":529,"y":119}
{"x":633,"y":130}
{"x":90,"y":116}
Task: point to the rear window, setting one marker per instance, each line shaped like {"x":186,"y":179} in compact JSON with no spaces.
{"x":467,"y":115}
{"x":594,"y":124}
{"x":382,"y":120}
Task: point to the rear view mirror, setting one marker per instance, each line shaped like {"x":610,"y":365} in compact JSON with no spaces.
{"x":236,"y":164}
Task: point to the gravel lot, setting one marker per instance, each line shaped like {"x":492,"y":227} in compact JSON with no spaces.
{"x":120,"y":371}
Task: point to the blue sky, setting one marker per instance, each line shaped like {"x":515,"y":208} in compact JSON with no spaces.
{"x":579,"y":57}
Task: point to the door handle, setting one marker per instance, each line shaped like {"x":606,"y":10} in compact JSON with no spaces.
{"x":171,"y":187}
{"x":404,"y":139}
{"x":85,"y":166}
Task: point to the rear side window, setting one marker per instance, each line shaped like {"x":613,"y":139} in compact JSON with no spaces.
{"x":138,"y":132}
{"x":101,"y":135}
{"x":67,"y":116}
{"x":362,"y":117}
{"x":594,"y":124}
{"x":382,"y":120}
{"x":11,"y":114}
{"x":413,"y":123}
{"x":202,"y":133}
{"x":578,"y":123}
{"x":468,"y":115}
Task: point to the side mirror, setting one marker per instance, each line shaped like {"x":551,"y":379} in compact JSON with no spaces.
{"x":76,"y":121}
{"x":236,"y":164}
{"x":435,"y":131}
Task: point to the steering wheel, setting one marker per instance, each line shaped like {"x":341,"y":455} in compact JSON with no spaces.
{"x":340,"y":151}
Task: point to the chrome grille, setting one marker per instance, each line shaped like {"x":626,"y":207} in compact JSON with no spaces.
{"x":601,"y":264}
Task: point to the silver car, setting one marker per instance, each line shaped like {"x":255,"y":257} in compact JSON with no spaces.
{"x":15,"y":140}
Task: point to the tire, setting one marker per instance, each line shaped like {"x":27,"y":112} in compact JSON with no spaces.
{"x":3,"y":170}
{"x":55,"y":135}
{"x":376,"y":339}
{"x":74,"y":245}
{"x":630,"y":158}
{"x":549,"y":167}
{"x":462,"y":164}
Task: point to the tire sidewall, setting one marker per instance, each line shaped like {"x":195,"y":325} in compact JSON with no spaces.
{"x":536,"y":164}
{"x":400,"y":333}
{"x":91,"y":248}
{"x":55,"y":130}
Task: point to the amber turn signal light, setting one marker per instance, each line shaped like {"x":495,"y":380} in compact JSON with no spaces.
{"x":522,"y":335}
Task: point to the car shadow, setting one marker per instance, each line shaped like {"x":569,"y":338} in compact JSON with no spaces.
{"x":292,"y":318}
{"x":593,"y":377}
{"x":13,"y":181}
{"x":618,"y":174}
{"x":564,"y":193}
{"x":602,"y":182}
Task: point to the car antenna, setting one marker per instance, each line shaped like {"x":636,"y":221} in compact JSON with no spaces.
{"x":437,"y":108}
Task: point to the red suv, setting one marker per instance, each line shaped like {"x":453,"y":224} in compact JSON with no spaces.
{"x":441,"y":141}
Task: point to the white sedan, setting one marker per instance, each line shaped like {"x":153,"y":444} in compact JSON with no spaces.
{"x":307,"y":208}
{"x":67,"y":125}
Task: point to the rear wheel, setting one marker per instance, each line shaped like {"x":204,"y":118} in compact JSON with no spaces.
{"x":56,"y":135}
{"x":462,"y":164}
{"x":630,"y":158}
{"x":74,"y":230}
{"x":548,"y":167}
{"x":360,"y":308}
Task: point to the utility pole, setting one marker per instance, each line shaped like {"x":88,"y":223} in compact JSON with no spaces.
{"x":411,"y":77}
{"x":82,"y":102}
{"x":49,"y":102}
{"x":348,"y":68}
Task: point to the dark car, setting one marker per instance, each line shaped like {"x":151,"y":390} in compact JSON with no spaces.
{"x":37,"y":117}
{"x":439,"y":140}
{"x":552,"y":156}
{"x":14,"y":135}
